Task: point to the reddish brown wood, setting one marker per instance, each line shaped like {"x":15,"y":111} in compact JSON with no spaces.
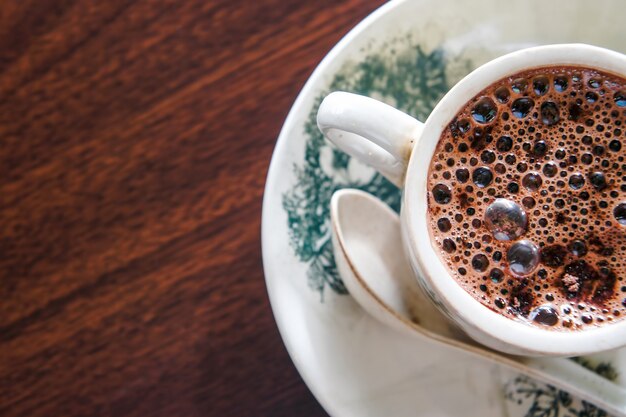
{"x":135,"y":138}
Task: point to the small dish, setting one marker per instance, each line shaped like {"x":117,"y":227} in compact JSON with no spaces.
{"x":334,"y":344}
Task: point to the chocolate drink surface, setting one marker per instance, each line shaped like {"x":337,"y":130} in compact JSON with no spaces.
{"x":527,"y":197}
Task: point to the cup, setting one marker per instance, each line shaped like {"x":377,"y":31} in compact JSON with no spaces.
{"x":401,"y":147}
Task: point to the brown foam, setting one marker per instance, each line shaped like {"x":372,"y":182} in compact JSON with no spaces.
{"x":590,"y":285}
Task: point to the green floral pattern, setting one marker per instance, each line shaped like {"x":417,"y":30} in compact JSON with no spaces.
{"x":604,"y":369}
{"x":414,"y":82}
{"x":547,"y":401}
{"x":542,"y":400}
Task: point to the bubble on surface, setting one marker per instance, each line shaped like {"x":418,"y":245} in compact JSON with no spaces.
{"x":619,"y":212}
{"x":620,"y":98}
{"x":541,"y":85}
{"x":504,"y":144}
{"x":487,"y":157}
{"x":615,"y":145}
{"x":540,"y":148}
{"x":444,"y":224}
{"x":577,"y":247}
{"x":586,"y":158}
{"x":502,"y":94}
{"x":482,"y":177}
{"x":485,"y":110}
{"x":549,"y":113}
{"x":496,"y":275}
{"x":545,"y":315}
{"x":513,"y":188}
{"x":462,"y":174}
{"x":528,"y":202}
{"x":574,"y":111}
{"x":449,"y":245}
{"x":576,"y":181}
{"x":505,"y":219}
{"x":521,"y":107}
{"x":594,"y":83}
{"x":550,"y":169}
{"x":523,"y":257}
{"x":598,"y":180}
{"x":480,"y":262}
{"x":598,"y":150}
{"x":560,"y":83}
{"x":519,"y":85}
{"x":442,"y":194}
{"x":532,"y":181}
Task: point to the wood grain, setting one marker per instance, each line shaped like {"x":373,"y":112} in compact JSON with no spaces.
{"x":135,"y":138}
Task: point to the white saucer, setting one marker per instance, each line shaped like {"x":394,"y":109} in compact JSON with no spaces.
{"x":407,"y":53}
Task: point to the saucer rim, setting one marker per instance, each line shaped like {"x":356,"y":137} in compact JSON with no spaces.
{"x":274,"y":276}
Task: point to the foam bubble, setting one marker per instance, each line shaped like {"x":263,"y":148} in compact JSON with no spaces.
{"x":545,"y":315}
{"x":442,"y":194}
{"x":523,"y":257}
{"x":505,"y":219}
{"x":619,"y":212}
{"x":522,"y":107}
{"x":549,"y":113}
{"x":482,"y":177}
{"x":532,"y":181}
{"x":485,"y":110}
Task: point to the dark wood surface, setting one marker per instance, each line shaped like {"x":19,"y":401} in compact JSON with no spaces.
{"x":135,"y":138}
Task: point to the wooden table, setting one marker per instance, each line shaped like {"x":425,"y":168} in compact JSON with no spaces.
{"x":135,"y":138}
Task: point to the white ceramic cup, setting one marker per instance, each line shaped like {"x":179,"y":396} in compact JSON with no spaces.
{"x":401,"y":147}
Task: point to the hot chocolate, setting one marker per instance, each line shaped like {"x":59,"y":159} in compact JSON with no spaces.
{"x":527,"y":197}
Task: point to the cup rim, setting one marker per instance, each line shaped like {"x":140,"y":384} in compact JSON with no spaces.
{"x":501,"y":332}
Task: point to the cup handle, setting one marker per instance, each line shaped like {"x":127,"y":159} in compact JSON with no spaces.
{"x":371,"y":131}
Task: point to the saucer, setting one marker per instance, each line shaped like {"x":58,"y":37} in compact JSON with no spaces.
{"x":408,"y":54}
